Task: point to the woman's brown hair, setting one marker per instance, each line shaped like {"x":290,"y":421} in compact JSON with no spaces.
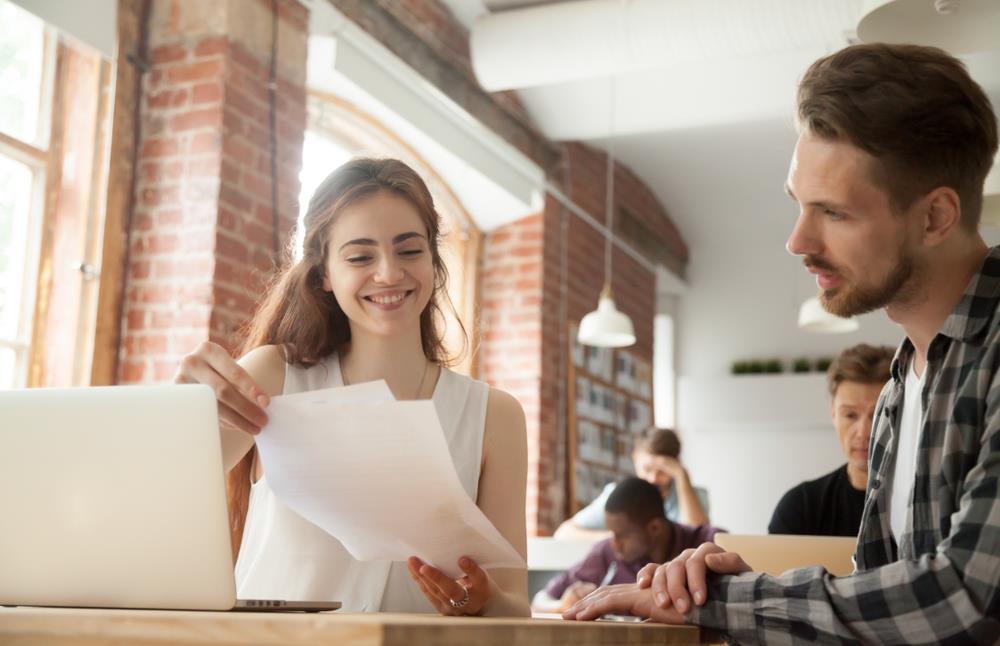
{"x":305,"y":320}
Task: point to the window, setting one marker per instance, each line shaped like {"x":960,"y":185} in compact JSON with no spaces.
{"x":26,"y":62}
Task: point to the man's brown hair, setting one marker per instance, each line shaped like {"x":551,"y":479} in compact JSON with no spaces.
{"x":862,"y":363}
{"x":659,"y":441}
{"x":915,"y":109}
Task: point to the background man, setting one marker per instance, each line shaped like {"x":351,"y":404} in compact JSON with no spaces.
{"x":832,"y":505}
{"x":641,"y":534}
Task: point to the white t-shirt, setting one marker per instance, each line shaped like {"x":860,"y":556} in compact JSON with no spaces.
{"x":906,"y":452}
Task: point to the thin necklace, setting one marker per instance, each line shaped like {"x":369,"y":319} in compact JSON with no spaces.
{"x":420,"y":386}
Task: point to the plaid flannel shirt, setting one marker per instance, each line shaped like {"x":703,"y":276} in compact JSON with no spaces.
{"x":940,"y":584}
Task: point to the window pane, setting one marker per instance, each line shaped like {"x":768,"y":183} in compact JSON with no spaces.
{"x":22,"y":55}
{"x":320,"y":156}
{"x":15,"y":202}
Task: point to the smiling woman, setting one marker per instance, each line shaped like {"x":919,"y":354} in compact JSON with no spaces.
{"x":365,"y":302}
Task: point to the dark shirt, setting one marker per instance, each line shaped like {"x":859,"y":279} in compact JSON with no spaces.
{"x":596,"y":564}
{"x":827,"y":506}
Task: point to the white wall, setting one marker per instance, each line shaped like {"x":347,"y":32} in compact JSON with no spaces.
{"x":723,"y":188}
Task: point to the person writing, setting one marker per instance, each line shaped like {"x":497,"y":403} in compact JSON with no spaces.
{"x":894,"y":144}
{"x":656,"y":457}
{"x":364,"y":303}
{"x":832,"y":505}
{"x":640,"y":534}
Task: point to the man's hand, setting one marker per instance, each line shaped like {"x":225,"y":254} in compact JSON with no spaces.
{"x":672,"y":467}
{"x":625,"y":599}
{"x":574,"y":593}
{"x":682,"y":580}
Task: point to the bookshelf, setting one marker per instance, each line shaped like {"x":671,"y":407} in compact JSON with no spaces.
{"x":609,"y":401}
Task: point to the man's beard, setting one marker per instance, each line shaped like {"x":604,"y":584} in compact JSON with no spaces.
{"x":847,"y":301}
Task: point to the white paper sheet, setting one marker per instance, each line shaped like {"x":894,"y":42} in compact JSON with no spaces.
{"x":377,"y":474}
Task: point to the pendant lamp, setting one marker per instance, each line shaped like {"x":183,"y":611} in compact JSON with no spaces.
{"x":606,"y":327}
{"x":957,"y":26}
{"x":814,"y":318}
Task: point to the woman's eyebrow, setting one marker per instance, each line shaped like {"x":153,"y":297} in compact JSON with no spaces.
{"x":402,"y":237}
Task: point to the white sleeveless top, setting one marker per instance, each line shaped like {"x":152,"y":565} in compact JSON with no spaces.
{"x":284,"y":556}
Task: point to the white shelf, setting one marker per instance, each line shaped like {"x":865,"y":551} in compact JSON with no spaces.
{"x":749,"y":402}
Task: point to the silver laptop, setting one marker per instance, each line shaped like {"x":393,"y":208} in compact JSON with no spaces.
{"x":115,"y":498}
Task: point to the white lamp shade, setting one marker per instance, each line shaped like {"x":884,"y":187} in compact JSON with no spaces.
{"x":606,"y":327}
{"x":814,"y":318}
{"x":958,"y":26}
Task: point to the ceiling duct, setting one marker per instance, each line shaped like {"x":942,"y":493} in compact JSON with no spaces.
{"x":569,"y":41}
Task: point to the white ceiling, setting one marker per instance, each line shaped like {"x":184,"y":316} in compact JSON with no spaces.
{"x":657,"y":107}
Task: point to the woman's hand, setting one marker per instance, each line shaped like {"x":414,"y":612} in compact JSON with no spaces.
{"x":467,"y":595}
{"x":241,"y":400}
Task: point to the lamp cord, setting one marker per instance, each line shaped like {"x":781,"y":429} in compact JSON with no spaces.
{"x":609,"y":189}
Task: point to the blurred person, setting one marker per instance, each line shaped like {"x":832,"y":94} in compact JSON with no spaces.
{"x":832,"y":505}
{"x":656,"y":457}
{"x":640,"y":534}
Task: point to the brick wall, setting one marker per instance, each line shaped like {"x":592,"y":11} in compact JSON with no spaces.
{"x":201,"y":236}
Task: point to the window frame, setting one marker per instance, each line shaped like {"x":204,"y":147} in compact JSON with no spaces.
{"x":36,"y":155}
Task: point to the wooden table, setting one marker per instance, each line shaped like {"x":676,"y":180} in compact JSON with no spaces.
{"x":75,"y":627}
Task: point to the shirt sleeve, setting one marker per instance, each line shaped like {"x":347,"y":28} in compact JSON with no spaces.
{"x":592,"y":516}
{"x":788,"y":515}
{"x":949,"y":596}
{"x":591,"y":569}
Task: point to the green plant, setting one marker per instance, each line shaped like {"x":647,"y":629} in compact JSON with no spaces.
{"x":757,"y":366}
{"x":740,"y":368}
{"x":823,"y":363}
{"x":802,"y":365}
{"x":773,"y":366}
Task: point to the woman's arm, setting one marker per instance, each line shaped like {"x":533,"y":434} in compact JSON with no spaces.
{"x":688,"y":504}
{"x":238,"y":387}
{"x":502,"y":491}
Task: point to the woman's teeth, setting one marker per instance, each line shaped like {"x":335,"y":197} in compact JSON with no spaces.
{"x":387,"y":300}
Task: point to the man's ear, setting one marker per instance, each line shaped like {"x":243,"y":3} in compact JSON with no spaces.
{"x":942,"y":214}
{"x":656,"y":526}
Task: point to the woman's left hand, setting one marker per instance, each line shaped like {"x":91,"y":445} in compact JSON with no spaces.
{"x":467,"y":595}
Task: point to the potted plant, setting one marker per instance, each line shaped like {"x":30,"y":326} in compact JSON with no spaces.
{"x":801,"y":365}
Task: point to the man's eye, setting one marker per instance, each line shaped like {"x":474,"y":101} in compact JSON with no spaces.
{"x":834,"y":215}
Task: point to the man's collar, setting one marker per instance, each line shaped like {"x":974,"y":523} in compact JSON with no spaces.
{"x":978,"y":303}
{"x":975,"y":309}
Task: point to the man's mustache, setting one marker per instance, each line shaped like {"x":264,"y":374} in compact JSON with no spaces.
{"x":815,"y":262}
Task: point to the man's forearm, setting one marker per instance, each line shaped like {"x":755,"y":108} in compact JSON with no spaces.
{"x":877,"y":606}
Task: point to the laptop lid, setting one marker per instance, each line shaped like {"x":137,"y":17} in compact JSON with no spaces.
{"x":113,"y":497}
{"x":776,"y":553}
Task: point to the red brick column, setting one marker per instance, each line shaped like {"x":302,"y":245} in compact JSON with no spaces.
{"x":510,"y":351}
{"x":201,"y":236}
